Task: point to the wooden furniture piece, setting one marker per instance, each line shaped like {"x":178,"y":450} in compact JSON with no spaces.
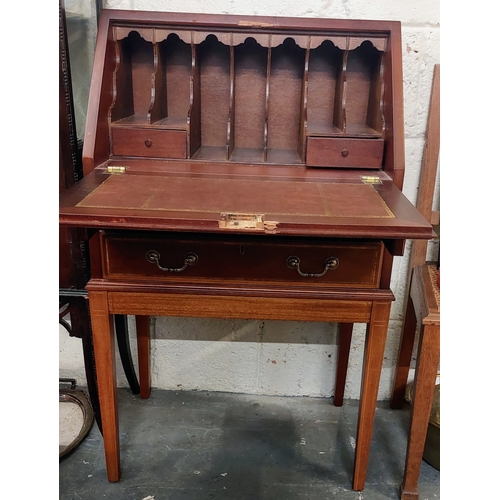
{"x":74,"y":271}
{"x":74,"y":265}
{"x":422,"y":309}
{"x":242,"y":167}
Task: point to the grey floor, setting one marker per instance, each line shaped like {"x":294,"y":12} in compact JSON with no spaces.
{"x":201,"y":445}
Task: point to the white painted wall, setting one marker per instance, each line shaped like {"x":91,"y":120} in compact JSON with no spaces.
{"x":279,"y":357}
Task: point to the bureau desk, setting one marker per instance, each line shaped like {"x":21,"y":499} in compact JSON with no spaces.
{"x":242,"y":167}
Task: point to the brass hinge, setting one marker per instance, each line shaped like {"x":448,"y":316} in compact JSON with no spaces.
{"x":371,"y":179}
{"x":114,"y":169}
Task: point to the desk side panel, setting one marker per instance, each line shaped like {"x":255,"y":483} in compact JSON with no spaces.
{"x":394,"y":160}
{"x":96,"y":146}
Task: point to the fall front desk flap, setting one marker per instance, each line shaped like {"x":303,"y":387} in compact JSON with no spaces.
{"x":349,"y":205}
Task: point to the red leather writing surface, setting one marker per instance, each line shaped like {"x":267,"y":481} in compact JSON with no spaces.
{"x":209,"y":195}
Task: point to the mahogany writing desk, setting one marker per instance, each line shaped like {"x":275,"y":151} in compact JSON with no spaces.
{"x":242,"y":167}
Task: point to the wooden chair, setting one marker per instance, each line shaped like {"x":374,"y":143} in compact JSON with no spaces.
{"x":422,"y":309}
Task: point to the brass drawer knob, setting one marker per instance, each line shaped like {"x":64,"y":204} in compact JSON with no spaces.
{"x":148,"y":143}
{"x":154,"y":258}
{"x":294,"y":263}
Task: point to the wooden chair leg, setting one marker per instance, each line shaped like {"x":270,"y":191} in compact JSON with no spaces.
{"x":122,"y":339}
{"x":423,"y":395}
{"x":376,"y":335}
{"x":144,"y":355}
{"x":404,"y":358}
{"x":344,"y":347}
{"x":104,"y":343}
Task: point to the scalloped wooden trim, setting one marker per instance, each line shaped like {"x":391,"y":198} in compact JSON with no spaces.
{"x":121,"y":32}
{"x":263,"y":39}
{"x":379,"y":43}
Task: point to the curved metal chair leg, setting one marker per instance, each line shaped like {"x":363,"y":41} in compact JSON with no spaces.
{"x":122,"y":337}
{"x":80,"y":327}
{"x":78,"y":308}
{"x":88,"y":355}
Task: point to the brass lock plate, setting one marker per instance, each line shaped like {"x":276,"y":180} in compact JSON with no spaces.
{"x":241,"y":221}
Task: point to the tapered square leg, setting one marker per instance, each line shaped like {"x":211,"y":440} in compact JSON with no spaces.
{"x":144,"y":355}
{"x":372,"y":366}
{"x":344,"y":347}
{"x":104,"y":346}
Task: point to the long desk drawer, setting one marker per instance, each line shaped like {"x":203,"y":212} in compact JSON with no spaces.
{"x":166,"y":258}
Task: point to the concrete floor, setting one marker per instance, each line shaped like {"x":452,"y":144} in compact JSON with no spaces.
{"x":200,"y":445}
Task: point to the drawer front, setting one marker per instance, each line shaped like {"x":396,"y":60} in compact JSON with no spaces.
{"x":151,"y":143}
{"x":165,"y":259}
{"x":340,"y":152}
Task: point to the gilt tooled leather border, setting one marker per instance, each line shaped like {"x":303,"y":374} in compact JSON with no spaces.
{"x":324,"y":207}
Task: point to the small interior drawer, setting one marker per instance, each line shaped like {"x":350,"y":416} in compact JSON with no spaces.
{"x":341,"y":152}
{"x":167,"y":258}
{"x":149,"y":142}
